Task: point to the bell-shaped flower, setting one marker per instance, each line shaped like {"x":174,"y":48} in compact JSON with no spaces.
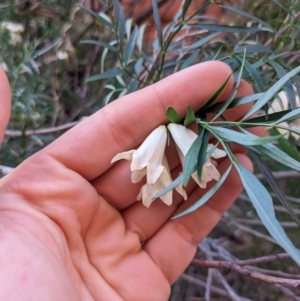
{"x":184,"y":139}
{"x":149,"y":160}
{"x":148,"y":191}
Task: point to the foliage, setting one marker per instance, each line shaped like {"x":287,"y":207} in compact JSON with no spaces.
{"x":72,"y":61}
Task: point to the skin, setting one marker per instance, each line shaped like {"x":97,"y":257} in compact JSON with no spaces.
{"x":70,"y":225}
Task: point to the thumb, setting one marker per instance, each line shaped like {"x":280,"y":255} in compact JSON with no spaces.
{"x":5,"y":103}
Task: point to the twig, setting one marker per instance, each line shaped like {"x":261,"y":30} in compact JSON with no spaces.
{"x":288,"y":292}
{"x":14,"y":134}
{"x":262,"y":259}
{"x":276,"y":207}
{"x":231,"y":293}
{"x":214,"y":289}
{"x":230,"y":266}
{"x":274,"y":273}
{"x":282,"y":174}
{"x":257,"y":222}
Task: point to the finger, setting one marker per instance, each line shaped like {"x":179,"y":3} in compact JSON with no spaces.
{"x":122,"y":125}
{"x":174,"y":245}
{"x":5,"y":103}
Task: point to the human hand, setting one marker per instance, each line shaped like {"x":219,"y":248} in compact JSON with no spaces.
{"x":71,"y":228}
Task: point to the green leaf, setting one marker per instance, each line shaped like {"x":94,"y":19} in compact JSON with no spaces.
{"x":105,"y":75}
{"x":268,"y":95}
{"x":214,"y":96}
{"x":190,"y":116}
{"x":201,"y":158}
{"x":224,"y":28}
{"x":206,"y":196}
{"x":120,"y":18}
{"x":287,"y":147}
{"x":190,"y":158}
{"x":240,"y":138}
{"x":255,"y":48}
{"x":97,"y":16}
{"x":289,"y":116}
{"x":253,"y":73}
{"x":128,"y":50}
{"x":263,"y":204}
{"x":172,"y":115}
{"x":288,"y":87}
{"x":236,"y":102}
{"x":247,"y":15}
{"x":273,"y":152}
{"x":268,"y":118}
{"x":157,"y":22}
{"x":234,"y":92}
{"x":185,"y":8}
{"x":99,"y":43}
{"x":199,"y":43}
{"x":189,"y":60}
{"x":175,"y":183}
{"x":267,"y":173}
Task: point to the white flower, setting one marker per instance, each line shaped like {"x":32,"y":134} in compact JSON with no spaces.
{"x":62,"y":55}
{"x":15,"y":30}
{"x":149,"y":160}
{"x":282,"y":103}
{"x":184,"y":139}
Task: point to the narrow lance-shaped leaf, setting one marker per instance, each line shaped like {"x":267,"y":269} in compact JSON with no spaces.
{"x":267,"y":173}
{"x":224,"y":28}
{"x":190,"y":116}
{"x":268,"y":95}
{"x":99,"y":43}
{"x":288,"y":87}
{"x":206,"y":196}
{"x":214,"y":96}
{"x":263,"y":204}
{"x":191,"y":158}
{"x":254,"y":74}
{"x":185,"y":7}
{"x":128,"y":50}
{"x":97,"y":16}
{"x":199,"y":43}
{"x":289,"y":116}
{"x":179,"y":179}
{"x":201,"y":158}
{"x":233,"y":94}
{"x":236,"y":102}
{"x":274,"y":153}
{"x":157,"y":22}
{"x":287,"y":147}
{"x":240,"y":138}
{"x":247,"y":15}
{"x":268,"y":118}
{"x":105,"y":75}
{"x":172,"y":115}
{"x":120,"y":18}
{"x":252,"y":48}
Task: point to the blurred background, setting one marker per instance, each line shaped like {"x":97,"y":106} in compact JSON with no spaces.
{"x":64,"y":62}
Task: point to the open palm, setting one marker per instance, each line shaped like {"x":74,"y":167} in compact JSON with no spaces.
{"x":70,"y":226}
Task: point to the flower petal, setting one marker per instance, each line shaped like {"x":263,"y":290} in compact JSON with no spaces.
{"x":151,"y":153}
{"x":217,"y":153}
{"x":182,"y":136}
{"x":137,"y":175}
{"x":125,"y":155}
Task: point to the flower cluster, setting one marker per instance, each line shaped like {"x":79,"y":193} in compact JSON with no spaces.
{"x":150,"y":160}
